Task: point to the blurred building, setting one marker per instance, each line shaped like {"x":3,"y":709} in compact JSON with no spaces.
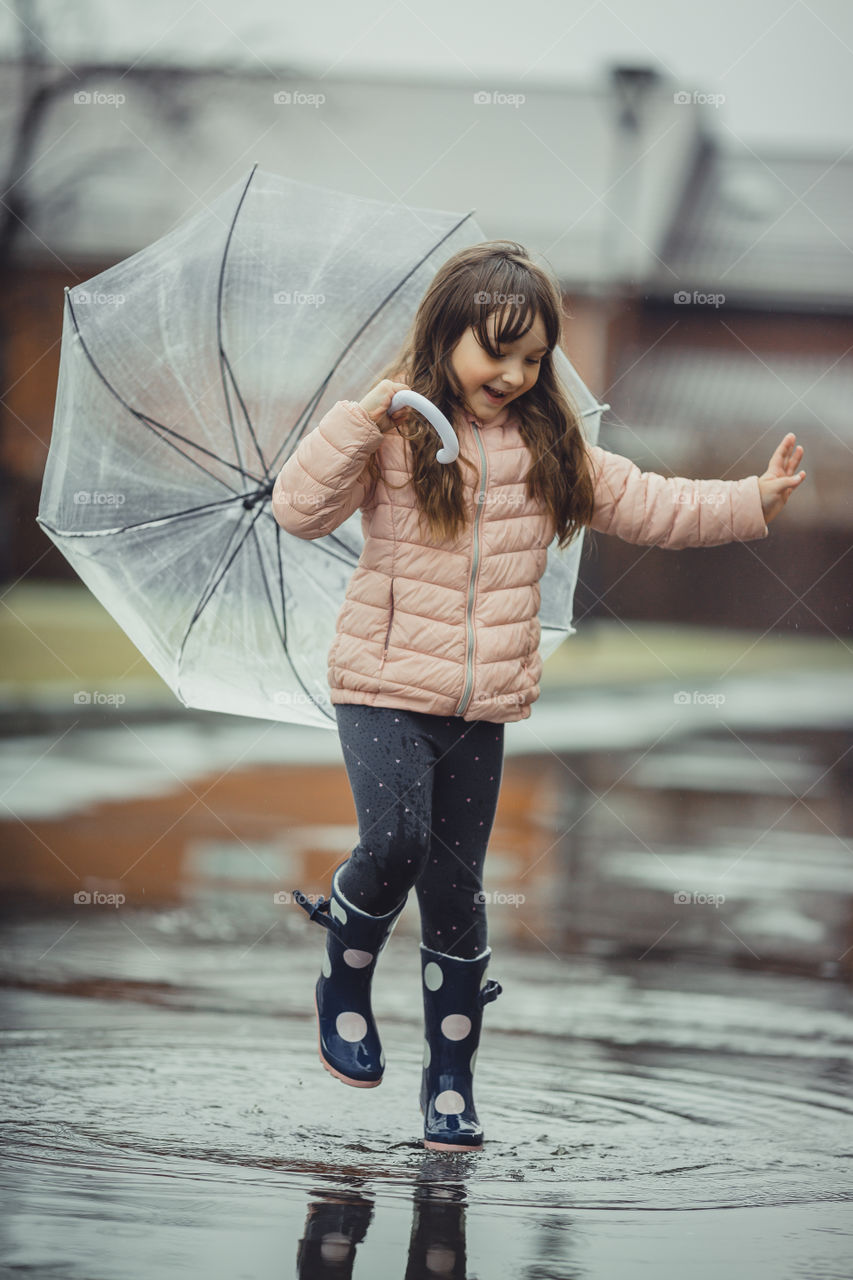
{"x":710,"y":288}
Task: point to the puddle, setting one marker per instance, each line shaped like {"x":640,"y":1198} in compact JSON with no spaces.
{"x":665,"y":1082}
{"x":165,"y":1112}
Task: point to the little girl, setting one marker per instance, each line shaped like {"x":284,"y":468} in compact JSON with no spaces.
{"x":436,"y":645}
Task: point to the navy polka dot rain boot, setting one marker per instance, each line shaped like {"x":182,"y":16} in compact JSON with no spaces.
{"x":349,"y":1043}
{"x":455,"y":991}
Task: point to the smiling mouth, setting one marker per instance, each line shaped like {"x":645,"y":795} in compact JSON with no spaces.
{"x":498,"y":395}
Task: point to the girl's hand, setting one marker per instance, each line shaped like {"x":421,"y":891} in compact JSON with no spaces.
{"x":375,"y":403}
{"x":778,"y":482}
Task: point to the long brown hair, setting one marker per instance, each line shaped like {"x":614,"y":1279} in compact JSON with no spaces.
{"x":550,"y":425}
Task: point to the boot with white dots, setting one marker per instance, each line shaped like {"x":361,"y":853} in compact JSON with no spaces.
{"x":454,"y":991}
{"x":348,"y":1041}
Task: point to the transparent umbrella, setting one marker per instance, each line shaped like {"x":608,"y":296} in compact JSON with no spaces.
{"x":188,"y":373}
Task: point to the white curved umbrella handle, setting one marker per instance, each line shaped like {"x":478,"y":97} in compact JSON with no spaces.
{"x":449,"y":439}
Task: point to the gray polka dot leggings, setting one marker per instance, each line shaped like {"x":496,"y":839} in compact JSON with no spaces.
{"x":426,"y":791}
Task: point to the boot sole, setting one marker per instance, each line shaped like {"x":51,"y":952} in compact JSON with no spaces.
{"x":447,"y":1146}
{"x":356,"y":1084}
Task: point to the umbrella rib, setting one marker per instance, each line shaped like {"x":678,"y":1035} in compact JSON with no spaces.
{"x":153,"y":424}
{"x":322,"y":544}
{"x":209,"y":590}
{"x":278,"y":533}
{"x":349,"y":558}
{"x":312,"y":404}
{"x":282,"y":632}
{"x":224,"y":362}
{"x":239,"y":396}
{"x":278,"y":628}
{"x":140,"y":524}
{"x":156,"y":426}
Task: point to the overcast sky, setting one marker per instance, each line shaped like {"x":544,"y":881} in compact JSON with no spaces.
{"x":785,"y":67}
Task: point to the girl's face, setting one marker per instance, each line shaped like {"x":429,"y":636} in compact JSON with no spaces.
{"x":513,"y":372}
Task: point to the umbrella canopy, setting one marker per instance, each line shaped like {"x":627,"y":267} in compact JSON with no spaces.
{"x":188,"y":373}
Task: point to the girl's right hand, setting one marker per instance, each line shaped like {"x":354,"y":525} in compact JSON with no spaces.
{"x":376,"y":403}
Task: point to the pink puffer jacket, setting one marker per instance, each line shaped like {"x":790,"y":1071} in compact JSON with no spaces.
{"x":451,"y":628}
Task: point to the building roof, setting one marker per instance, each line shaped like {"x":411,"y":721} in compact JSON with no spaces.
{"x":537,"y":163}
{"x":761,"y":228}
{"x":617,"y":184}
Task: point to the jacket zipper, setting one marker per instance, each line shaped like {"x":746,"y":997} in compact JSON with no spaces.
{"x":391,"y":619}
{"x":475,"y":561}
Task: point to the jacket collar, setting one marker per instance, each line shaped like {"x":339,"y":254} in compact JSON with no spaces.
{"x":502,"y":419}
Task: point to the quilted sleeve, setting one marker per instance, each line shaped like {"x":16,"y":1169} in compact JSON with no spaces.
{"x":652,"y":510}
{"x":325,"y":479}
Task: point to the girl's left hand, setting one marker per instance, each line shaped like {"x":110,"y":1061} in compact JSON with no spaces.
{"x":779,"y":481}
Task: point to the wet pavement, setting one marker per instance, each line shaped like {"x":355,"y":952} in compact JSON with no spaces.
{"x":665,"y":1083}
